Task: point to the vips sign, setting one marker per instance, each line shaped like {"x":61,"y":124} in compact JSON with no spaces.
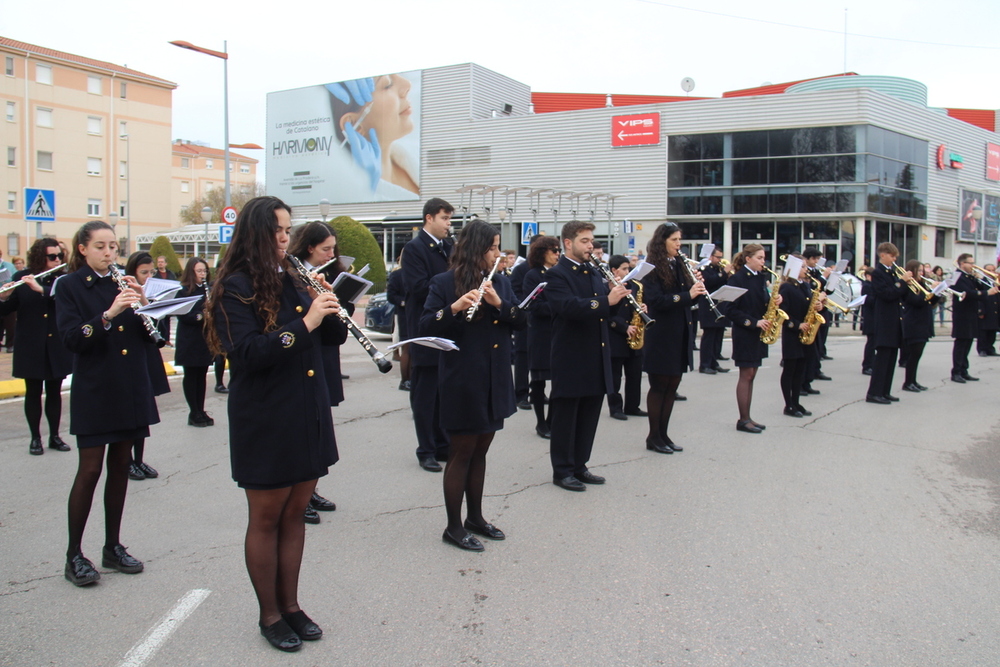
{"x":636,"y":130}
{"x":992,"y":162}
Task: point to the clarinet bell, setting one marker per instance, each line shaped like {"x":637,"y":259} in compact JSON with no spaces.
{"x":383,"y":363}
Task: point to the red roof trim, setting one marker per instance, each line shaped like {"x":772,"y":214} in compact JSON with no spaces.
{"x":554,"y":102}
{"x":984,"y":118}
{"x":80,"y":60}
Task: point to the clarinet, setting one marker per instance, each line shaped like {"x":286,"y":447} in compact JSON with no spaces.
{"x":614,"y":282}
{"x":482,"y":288}
{"x":708,"y":297}
{"x":384,"y":365}
{"x":147,"y":321}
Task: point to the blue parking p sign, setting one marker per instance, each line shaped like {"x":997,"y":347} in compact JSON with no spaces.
{"x":39,"y":205}
{"x":225,"y":234}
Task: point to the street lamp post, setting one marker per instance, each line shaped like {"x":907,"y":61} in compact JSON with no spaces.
{"x":224,"y":55}
{"x":324,"y":208}
{"x":206,"y":215}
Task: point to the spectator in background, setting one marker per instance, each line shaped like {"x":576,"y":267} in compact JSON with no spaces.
{"x":937,"y":273}
{"x":599,"y":253}
{"x":18,"y":263}
{"x":7,"y":323}
{"x":163,"y":273}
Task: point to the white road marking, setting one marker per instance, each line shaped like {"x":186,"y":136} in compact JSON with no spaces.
{"x":142,"y":652}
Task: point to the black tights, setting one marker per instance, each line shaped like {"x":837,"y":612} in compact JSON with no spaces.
{"x":792,"y":375}
{"x":744,"y":392}
{"x":915,"y":351}
{"x":81,"y":496}
{"x":660,"y":404}
{"x":33,"y":406}
{"x":465,"y":475}
{"x":536,"y":391}
{"x":276,"y":535}
{"x":194,"y":388}
{"x":220,"y":370}
{"x":138,"y":447}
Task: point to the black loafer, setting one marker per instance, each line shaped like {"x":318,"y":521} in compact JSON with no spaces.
{"x":303,"y":626}
{"x":56,"y":443}
{"x":911,"y":387}
{"x":207,"y":418}
{"x":543,"y":432}
{"x":469,"y":542}
{"x":281,"y":636}
{"x":321,"y":504}
{"x":826,"y":357}
{"x":310,"y":515}
{"x":135,"y":472}
{"x":524,"y":405}
{"x":116,"y":558}
{"x":678,"y":397}
{"x":80,"y":571}
{"x":881,"y":400}
{"x":721,"y":358}
{"x":720,"y":369}
{"x":637,"y":413}
{"x":430,"y":465}
{"x":619,"y":416}
{"x":570,"y":484}
{"x":221,"y":389}
{"x":487,"y":530}
{"x":707,"y":371}
{"x":809,"y":391}
{"x":404,"y":385}
{"x":793,"y":412}
{"x":920,"y":386}
{"x":955,"y":377}
{"x":747,"y":427}
{"x":891,"y":398}
{"x":35,"y":447}
{"x":823,"y":376}
{"x":196,"y":420}
{"x":866,"y":371}
{"x":148,"y":470}
{"x":969,"y":378}
{"x":657,"y":445}
{"x":673,"y":445}
{"x":588,"y":477}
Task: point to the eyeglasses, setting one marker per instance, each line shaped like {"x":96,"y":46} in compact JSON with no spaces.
{"x":53,"y":257}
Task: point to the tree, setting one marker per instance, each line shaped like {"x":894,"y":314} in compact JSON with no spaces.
{"x":161,"y":246}
{"x":355,"y":240}
{"x":215,"y":199}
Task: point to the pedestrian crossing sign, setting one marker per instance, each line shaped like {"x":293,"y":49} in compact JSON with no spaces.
{"x":528,"y":229}
{"x":40,"y":205}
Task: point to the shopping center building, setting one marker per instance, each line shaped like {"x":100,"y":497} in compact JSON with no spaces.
{"x":841,"y":162}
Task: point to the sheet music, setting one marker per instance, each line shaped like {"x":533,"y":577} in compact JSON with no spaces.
{"x":728,"y":293}
{"x":166,"y":307}
{"x":427,"y":341}
{"x":531,"y":297}
{"x":640,"y":271}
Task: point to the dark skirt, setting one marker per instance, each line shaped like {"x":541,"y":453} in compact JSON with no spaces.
{"x":276,"y":485}
{"x":748,"y":350}
{"x":492,"y":427}
{"x":101,"y":439}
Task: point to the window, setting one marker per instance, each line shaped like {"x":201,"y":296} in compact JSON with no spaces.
{"x":123,"y":169}
{"x":12,"y":201}
{"x":231,"y":165}
{"x":939,"y":241}
{"x":123,"y":209}
{"x":9,"y":65}
{"x":209,"y":186}
{"x":13,"y":243}
{"x":93,"y":166}
{"x":43,"y":160}
{"x":122,"y":128}
{"x":11,"y":156}
{"x":11,"y":111}
{"x":43,"y":117}
{"x":185,"y":163}
{"x":43,"y":74}
{"x":94,"y":86}
{"x":93,"y":124}
{"x":94,"y":208}
{"x":122,"y":90}
{"x":185,"y":186}
{"x":244,"y":169}
{"x":209,"y":164}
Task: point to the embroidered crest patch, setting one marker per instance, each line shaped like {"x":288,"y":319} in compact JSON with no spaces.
{"x":746,"y":323}
{"x":677,"y":298}
{"x":88,"y":330}
{"x":287,"y":339}
{"x":594,"y":305}
{"x":439,"y":314}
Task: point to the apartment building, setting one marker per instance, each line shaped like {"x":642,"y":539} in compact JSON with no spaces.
{"x":196,"y":170}
{"x":96,"y":133}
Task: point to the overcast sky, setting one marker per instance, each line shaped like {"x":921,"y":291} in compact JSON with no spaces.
{"x":594,"y":46}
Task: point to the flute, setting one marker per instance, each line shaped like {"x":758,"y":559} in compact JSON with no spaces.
{"x":384,"y":365}
{"x":147,"y":321}
{"x":40,"y":275}
{"x":482,"y":287}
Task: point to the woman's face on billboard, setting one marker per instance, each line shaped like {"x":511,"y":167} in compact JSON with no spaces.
{"x":391,"y":114}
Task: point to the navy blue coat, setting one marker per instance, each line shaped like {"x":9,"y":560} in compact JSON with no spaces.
{"x":669,"y":344}
{"x":965,"y":313}
{"x":39,"y":353}
{"x":192,"y":350}
{"x":517,"y":284}
{"x":280,"y":426}
{"x":918,"y":317}
{"x":395,"y":293}
{"x":888,"y":291}
{"x":867,"y":309}
{"x":618,"y":325}
{"x":112,"y":390}
{"x":795,"y":302}
{"x":745,"y":312}
{"x":581,"y":347}
{"x":423,"y":258}
{"x":539,"y":321}
{"x":474,"y":382}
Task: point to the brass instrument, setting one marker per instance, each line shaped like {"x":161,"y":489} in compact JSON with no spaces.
{"x":813,"y":318}
{"x":636,"y":341}
{"x":989,"y":274}
{"x":947,"y":290}
{"x":914,"y":286}
{"x":614,"y":282}
{"x":843,"y":309}
{"x":708,"y":297}
{"x":40,"y":275}
{"x":482,"y":288}
{"x":147,"y":321}
{"x":776,"y":316}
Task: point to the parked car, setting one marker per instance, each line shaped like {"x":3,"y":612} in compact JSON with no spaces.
{"x":380,"y":314}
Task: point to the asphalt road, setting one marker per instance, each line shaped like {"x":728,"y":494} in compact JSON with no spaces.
{"x":864,"y":535}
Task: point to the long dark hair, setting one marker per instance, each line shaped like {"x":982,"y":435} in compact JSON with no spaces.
{"x":135,"y":260}
{"x":540,"y":246}
{"x":188,"y":278}
{"x":667,"y":267}
{"x":474,"y":241}
{"x":37,"y":254}
{"x":82,"y":238}
{"x":254,"y":252}
{"x":311,"y":235}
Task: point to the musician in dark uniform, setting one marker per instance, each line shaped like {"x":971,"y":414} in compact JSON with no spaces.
{"x":581,"y":306}
{"x":668,"y":293}
{"x":192,"y":350}
{"x":747,"y":317}
{"x":796,"y":294}
{"x":475,"y":384}
{"x":918,"y":327}
{"x":817,"y":353}
{"x":521,"y":361}
{"x":542,"y":256}
{"x":425,"y":257}
{"x":280,"y":426}
{"x":965,"y":315}
{"x":40,"y":358}
{"x":989,"y":322}
{"x":395,"y":293}
{"x":111,"y":401}
{"x":714,"y":276}
{"x":888,"y":290}
{"x":624,"y":360}
{"x":868,"y":322}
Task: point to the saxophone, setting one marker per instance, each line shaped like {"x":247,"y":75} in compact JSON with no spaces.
{"x":776,"y":316}
{"x":636,"y":340}
{"x":813,"y":318}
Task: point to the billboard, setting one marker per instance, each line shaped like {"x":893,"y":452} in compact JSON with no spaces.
{"x":348,"y":142}
{"x":635,"y":130}
{"x":992,"y":162}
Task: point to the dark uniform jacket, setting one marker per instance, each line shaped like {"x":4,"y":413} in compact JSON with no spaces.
{"x":581,"y":351}
{"x":918,"y":317}
{"x":669,"y":345}
{"x":192,"y":350}
{"x":714,"y":278}
{"x":474,"y":381}
{"x":746,"y":311}
{"x":395,"y":293}
{"x":989,"y":313}
{"x":39,"y":353}
{"x":817,"y":273}
{"x":539,"y":321}
{"x":867,"y":309}
{"x":280,"y":426}
{"x":112,"y":390}
{"x":619,"y":323}
{"x":888,"y":291}
{"x":425,"y":257}
{"x":517,"y":284}
{"x":965,"y":313}
{"x":795,"y":299}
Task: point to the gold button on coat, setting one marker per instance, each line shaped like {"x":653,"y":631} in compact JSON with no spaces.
{"x":310,"y":373}
{"x":121,"y":328}
{"x":495,"y":346}
{"x":298,"y":309}
{"x":124,"y":352}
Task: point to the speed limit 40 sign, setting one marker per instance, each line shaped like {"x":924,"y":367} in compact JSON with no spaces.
{"x":229,"y":215}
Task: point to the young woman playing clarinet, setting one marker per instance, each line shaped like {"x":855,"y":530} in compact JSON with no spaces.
{"x":112,"y":400}
{"x":192,"y":350}
{"x":796,"y":294}
{"x":281,"y":436}
{"x":477,"y":390}
{"x":747,"y":316}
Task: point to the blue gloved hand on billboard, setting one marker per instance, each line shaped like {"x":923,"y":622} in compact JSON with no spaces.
{"x":357,"y":90}
{"x":367,"y":153}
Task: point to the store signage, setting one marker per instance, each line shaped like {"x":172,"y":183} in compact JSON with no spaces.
{"x":636,"y":130}
{"x":992,"y":162}
{"x":945,"y":158}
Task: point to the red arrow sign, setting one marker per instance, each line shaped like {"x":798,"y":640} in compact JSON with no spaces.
{"x":636,"y":130}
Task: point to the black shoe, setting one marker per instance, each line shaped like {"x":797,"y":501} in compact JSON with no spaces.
{"x":55,"y":442}
{"x":720,"y":369}
{"x":404,"y":385}
{"x":826,"y":357}
{"x":221,"y":389}
{"x":117,"y":558}
{"x":588,"y":477}
{"x":80,"y":571}
{"x":619,"y":415}
{"x":303,"y":626}
{"x":430,"y":465}
{"x":657,"y":445}
{"x":920,"y":386}
{"x":345,"y":376}
{"x":866,"y":371}
{"x":804,"y":412}
{"x":969,"y":378}
{"x":207,"y":418}
{"x":810,"y":391}
{"x":891,"y":398}
{"x":984,"y":354}
{"x":135,"y":472}
{"x":911,"y":387}
{"x":637,"y":413}
{"x":543,"y":431}
{"x":957,"y":377}
{"x":747,"y":427}
{"x":281,"y":636}
{"x":823,"y":376}
{"x":321,"y":504}
{"x":35,"y":447}
{"x":707,"y":371}
{"x":147,"y":470}
{"x":469,"y":542}
{"x":196,"y":420}
{"x":881,"y":400}
{"x":524,"y":405}
{"x":310,"y":515}
{"x":673,"y":445}
{"x":758,"y":425}
{"x":487,"y":530}
{"x":793,"y":412}
{"x":570,"y":484}
{"x":721,"y":358}
{"x":678,"y":397}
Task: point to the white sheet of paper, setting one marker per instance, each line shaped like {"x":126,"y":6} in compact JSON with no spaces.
{"x":953,"y":278}
{"x":165,"y":307}
{"x":833,"y":282}
{"x":157,"y":288}
{"x":520,"y":260}
{"x":841,"y":265}
{"x":939,"y":288}
{"x":427,"y":341}
{"x":531,"y":297}
{"x":728,"y":293}
{"x":706,"y":250}
{"x":793,"y":265}
{"x":857,"y":302}
{"x":365,"y":269}
{"x":640,"y":271}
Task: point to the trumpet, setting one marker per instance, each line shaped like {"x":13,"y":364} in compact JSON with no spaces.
{"x":947,"y":290}
{"x":40,"y":275}
{"x":708,"y":297}
{"x":469,"y":314}
{"x":915,"y":286}
{"x":989,"y":274}
{"x":636,"y":306}
{"x":147,"y":321}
